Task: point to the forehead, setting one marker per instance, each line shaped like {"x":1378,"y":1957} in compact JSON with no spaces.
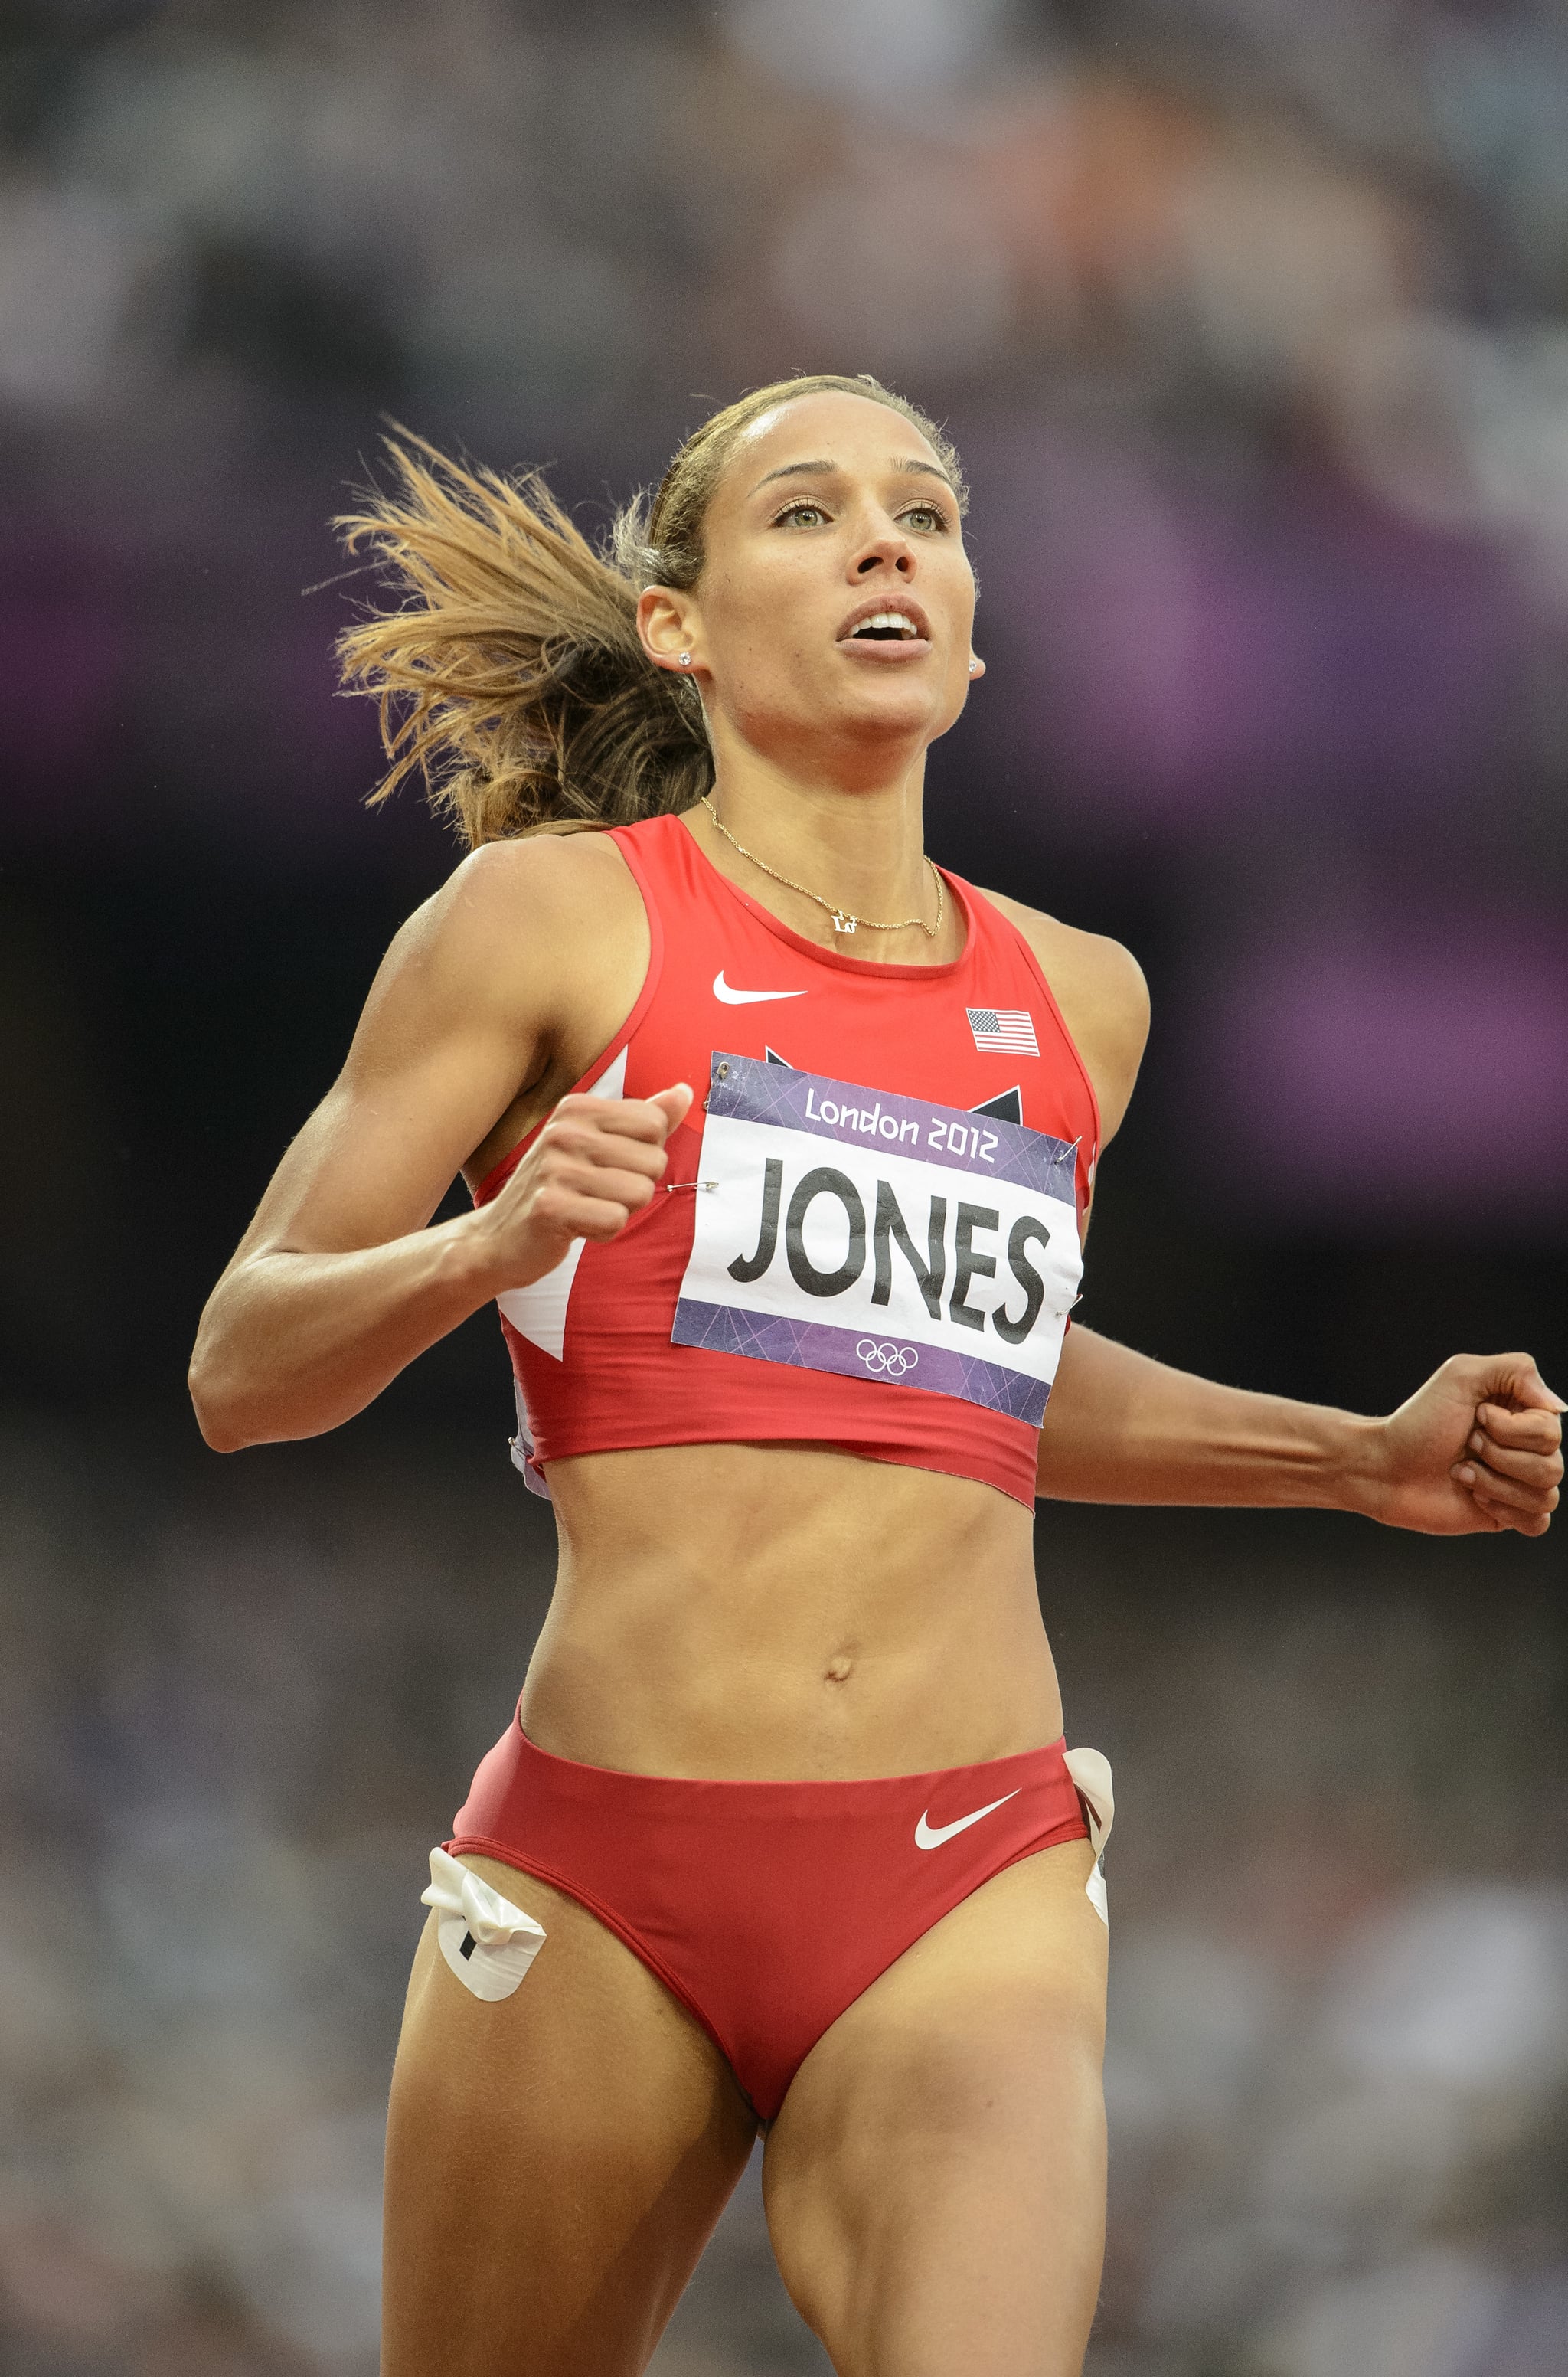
{"x":854,"y":431}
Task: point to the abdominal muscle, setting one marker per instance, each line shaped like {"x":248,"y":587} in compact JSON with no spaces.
{"x":776,"y":1612}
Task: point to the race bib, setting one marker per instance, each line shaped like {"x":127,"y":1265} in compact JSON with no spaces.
{"x":843,"y":1229}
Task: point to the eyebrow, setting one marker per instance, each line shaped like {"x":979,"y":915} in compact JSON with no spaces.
{"x":834,"y":470}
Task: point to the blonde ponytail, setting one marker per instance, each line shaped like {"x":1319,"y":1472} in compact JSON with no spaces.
{"x":513,"y":677}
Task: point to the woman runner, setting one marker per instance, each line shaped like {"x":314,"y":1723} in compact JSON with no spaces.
{"x":781,"y":1142}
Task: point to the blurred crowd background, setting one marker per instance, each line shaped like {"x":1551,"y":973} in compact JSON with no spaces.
{"x":1250,"y":320}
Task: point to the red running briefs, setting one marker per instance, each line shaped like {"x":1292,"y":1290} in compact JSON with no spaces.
{"x":766,"y":1907}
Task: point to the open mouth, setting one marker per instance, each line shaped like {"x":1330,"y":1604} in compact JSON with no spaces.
{"x":898,"y":621}
{"x":887,"y":628}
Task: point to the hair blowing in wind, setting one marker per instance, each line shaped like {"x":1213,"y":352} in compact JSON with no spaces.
{"x":511,"y":674}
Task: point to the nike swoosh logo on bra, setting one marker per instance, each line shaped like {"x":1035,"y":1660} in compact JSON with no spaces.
{"x":929,"y":1836}
{"x":747,"y":998}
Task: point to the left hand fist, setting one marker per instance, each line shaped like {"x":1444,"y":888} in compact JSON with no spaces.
{"x":1479,"y":1449}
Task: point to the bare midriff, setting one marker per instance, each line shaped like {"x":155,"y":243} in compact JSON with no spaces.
{"x":775,"y":1612}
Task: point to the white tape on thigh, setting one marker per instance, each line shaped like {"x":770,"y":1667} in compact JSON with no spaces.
{"x":487,"y":1942}
{"x":1090,"y":1771}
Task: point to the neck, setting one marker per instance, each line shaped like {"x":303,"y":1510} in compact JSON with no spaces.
{"x":860,"y":847}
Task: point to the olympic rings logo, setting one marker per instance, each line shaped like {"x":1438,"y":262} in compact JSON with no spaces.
{"x":892,"y":1360}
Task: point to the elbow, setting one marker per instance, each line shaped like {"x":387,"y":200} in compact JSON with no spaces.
{"x":213,"y":1418}
{"x":214,"y":1399}
{"x":217,"y":1437}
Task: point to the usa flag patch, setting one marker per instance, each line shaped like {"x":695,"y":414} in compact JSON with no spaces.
{"x":1002,"y":1031}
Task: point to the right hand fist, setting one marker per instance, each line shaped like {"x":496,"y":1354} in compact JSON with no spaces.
{"x":596,"y":1163}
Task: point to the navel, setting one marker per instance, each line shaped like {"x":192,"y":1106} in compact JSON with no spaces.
{"x":838,"y":1668}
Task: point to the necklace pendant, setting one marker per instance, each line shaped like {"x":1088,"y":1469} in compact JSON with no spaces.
{"x":843,"y":924}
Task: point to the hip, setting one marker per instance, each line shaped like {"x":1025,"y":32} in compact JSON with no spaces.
{"x":766,"y":1907}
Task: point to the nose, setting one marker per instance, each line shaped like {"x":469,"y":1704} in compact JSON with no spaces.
{"x":889,"y":550}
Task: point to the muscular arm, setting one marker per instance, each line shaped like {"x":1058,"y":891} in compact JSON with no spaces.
{"x":1476,"y":1449}
{"x":338,"y":1284}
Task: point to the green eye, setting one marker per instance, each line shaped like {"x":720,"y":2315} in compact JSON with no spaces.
{"x":794,"y":512}
{"x":928,"y":516}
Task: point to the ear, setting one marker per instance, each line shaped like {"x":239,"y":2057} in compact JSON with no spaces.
{"x":669,"y":626}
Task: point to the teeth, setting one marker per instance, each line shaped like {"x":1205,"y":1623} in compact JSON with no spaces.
{"x":900,"y":620}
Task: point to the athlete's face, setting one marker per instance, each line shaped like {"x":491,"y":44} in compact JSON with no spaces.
{"x":836,"y":598}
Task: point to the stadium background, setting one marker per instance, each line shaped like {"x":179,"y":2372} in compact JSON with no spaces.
{"x":1250,"y":320}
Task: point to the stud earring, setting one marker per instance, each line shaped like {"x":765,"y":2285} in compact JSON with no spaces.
{"x":685,"y":659}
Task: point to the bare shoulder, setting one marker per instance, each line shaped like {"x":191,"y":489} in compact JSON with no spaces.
{"x":1100,"y":989}
{"x":517,"y":923}
{"x":510,"y":893}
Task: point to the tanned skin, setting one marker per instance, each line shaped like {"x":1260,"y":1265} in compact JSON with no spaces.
{"x":935,"y":2182}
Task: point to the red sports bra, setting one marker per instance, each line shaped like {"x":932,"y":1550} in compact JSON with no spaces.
{"x":868,"y":1232}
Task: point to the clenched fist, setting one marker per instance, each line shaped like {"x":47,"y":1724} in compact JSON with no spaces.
{"x":1479,"y":1449}
{"x":596,"y":1163}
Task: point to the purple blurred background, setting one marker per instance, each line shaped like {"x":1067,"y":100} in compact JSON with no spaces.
{"x":1252,"y":324}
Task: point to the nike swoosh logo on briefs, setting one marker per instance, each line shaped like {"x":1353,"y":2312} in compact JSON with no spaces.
{"x":747,"y":998}
{"x":928,"y":1836}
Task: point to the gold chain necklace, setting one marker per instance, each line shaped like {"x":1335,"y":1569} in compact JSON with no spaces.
{"x":842,"y":920}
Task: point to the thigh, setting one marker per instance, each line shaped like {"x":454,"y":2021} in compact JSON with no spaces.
{"x":555,"y":2161}
{"x":935,"y":2179}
